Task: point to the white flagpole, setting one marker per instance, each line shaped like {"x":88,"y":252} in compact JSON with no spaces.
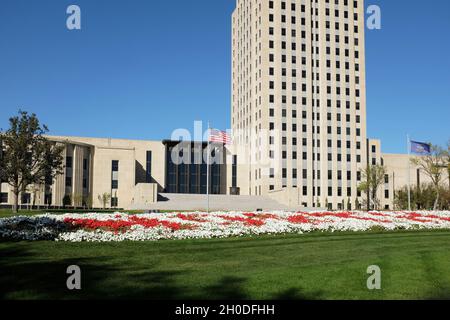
{"x":409,"y":172}
{"x":207,"y":167}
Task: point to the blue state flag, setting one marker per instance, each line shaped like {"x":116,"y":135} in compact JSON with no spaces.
{"x":420,"y":148}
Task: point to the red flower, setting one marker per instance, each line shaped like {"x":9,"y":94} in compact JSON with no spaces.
{"x":123,"y":225}
{"x":246,"y":221}
{"x":415,"y":217}
{"x":190,"y":217}
{"x":298,"y":219}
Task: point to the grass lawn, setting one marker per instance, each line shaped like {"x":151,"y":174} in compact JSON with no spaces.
{"x":414,"y":264}
{"x":7,"y":213}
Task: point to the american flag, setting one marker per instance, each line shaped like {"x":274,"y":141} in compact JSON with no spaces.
{"x":219,"y":136}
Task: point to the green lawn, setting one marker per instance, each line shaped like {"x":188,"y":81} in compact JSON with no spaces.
{"x":7,"y":213}
{"x":415,"y":265}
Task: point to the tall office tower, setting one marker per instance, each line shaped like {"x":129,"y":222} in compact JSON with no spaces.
{"x":299,"y":100}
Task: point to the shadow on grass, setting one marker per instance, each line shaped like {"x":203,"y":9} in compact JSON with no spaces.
{"x":297,"y":294}
{"x":233,"y":288}
{"x":23,"y":275}
{"x":228,"y":288}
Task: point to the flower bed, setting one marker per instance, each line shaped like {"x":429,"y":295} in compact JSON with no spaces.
{"x":159,"y":226}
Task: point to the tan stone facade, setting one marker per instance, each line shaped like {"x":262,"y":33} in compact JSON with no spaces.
{"x":298,"y":83}
{"x":131,"y":172}
{"x":135,"y":172}
{"x":398,"y":166}
{"x":89,"y":174}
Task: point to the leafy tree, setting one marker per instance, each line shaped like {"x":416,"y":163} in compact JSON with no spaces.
{"x":372,"y":177}
{"x":77,"y":200}
{"x":357,"y":204}
{"x":432,"y":165}
{"x":104,"y":199}
{"x":87,"y":201}
{"x":27,"y":156}
{"x":36,"y":191}
{"x":67,"y":200}
{"x":422,"y":198}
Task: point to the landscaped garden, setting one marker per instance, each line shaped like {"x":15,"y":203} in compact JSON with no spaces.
{"x":105,"y":227}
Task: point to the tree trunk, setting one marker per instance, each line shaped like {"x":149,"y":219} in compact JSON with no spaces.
{"x":374,"y":198}
{"x":34,"y":200}
{"x":436,"y":202}
{"x":16,"y":200}
{"x":368,"y":200}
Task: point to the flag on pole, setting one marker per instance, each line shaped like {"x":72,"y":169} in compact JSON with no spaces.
{"x":219,"y":136}
{"x":207,"y":166}
{"x":420,"y":148}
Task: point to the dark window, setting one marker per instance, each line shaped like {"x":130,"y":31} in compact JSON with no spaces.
{"x":114,"y":202}
{"x":148,"y":167}
{"x":115,"y":165}
{"x":3,"y":197}
{"x":69,"y":161}
{"x":26,"y":198}
{"x":114,"y":177}
{"x":192,"y":178}
{"x":68,"y":181}
{"x":48,"y":199}
{"x":234,"y":172}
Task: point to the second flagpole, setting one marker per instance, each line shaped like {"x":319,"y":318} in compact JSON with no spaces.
{"x":207,"y":167}
{"x":408,"y":144}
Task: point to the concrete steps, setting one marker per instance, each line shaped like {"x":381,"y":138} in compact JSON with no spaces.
{"x":195,"y":202}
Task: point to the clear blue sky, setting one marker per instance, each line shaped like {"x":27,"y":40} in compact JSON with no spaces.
{"x":139,"y":69}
